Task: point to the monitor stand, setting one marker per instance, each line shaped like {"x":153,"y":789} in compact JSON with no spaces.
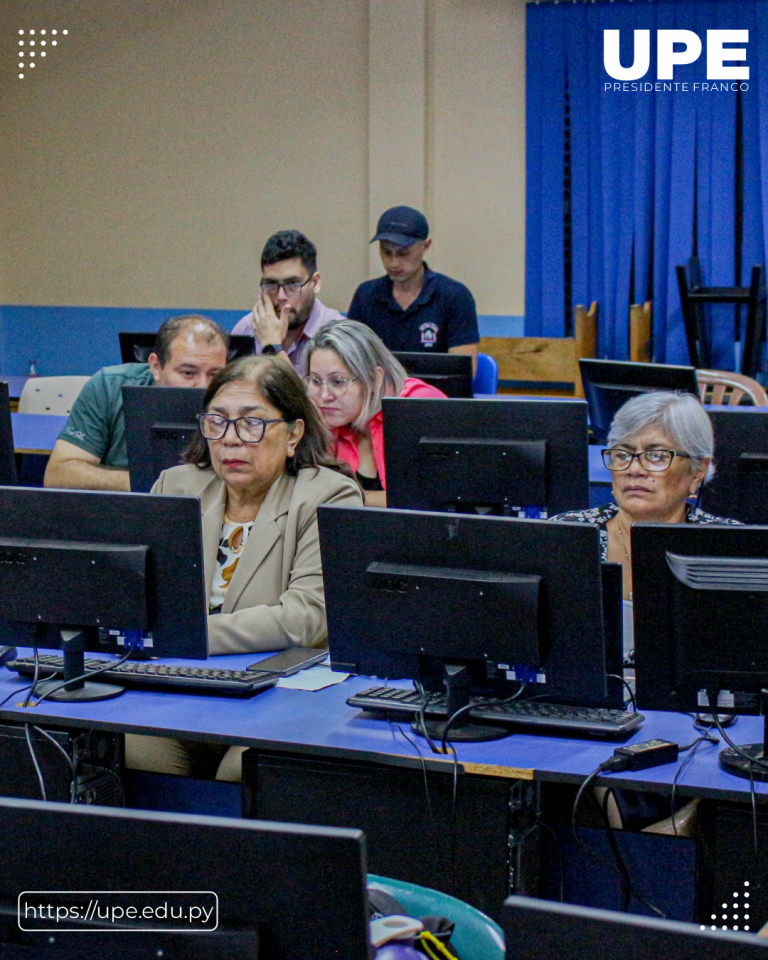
{"x":73,"y":645}
{"x":741,"y":762}
{"x":458,"y":682}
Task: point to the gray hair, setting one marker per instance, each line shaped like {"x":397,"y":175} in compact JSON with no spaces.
{"x":679,"y":415}
{"x":361,"y":351}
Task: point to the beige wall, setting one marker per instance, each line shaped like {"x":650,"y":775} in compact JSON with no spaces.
{"x":146,"y":160}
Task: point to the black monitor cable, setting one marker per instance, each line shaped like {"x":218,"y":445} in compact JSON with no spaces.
{"x":15,"y":693}
{"x":615,"y":676}
{"x":445,"y":744}
{"x":396,"y":728}
{"x":604,"y":767}
{"x":35,"y":677}
{"x":108,"y":665}
{"x":447,"y":747}
{"x":63,"y":752}
{"x":559,"y":850}
{"x":692,"y":747}
{"x":626,"y":883}
{"x":742,"y":753}
{"x":34,"y":761}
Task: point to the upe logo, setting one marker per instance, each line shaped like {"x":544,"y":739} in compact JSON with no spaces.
{"x":667,"y":57}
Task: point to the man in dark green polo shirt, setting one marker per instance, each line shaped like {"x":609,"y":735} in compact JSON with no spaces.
{"x":91,"y":453}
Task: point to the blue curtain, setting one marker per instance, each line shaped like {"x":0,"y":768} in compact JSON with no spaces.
{"x":624,"y":186}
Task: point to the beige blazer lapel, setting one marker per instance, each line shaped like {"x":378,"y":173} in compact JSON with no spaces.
{"x":264,"y":534}
{"x":213,"y":500}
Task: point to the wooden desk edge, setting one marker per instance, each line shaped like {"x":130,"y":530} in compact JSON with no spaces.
{"x":491,"y":770}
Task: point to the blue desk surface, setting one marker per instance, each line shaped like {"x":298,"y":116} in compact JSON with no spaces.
{"x":15,"y":386}
{"x":36,"y":432}
{"x":321,"y":723}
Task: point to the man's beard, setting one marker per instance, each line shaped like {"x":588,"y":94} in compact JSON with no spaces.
{"x":299,"y":319}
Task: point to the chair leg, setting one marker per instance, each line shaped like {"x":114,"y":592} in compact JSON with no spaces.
{"x":755,"y":331}
{"x":690,"y":320}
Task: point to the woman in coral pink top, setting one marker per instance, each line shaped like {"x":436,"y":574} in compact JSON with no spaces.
{"x":349,"y":371}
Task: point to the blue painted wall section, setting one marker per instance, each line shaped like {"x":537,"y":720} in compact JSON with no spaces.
{"x":80,"y":340}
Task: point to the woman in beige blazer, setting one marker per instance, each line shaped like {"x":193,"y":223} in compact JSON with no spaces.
{"x":261,"y":465}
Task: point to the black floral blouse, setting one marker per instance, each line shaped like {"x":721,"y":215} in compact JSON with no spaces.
{"x":599,"y":517}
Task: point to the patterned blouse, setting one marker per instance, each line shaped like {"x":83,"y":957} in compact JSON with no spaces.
{"x":599,"y":517}
{"x":234,"y":537}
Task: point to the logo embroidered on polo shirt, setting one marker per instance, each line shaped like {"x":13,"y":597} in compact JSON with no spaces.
{"x":428,"y":333}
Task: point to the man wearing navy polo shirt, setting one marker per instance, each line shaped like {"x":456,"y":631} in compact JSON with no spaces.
{"x":414,"y":308}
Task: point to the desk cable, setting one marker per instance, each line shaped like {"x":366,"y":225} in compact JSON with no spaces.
{"x":613,"y":764}
{"x":396,"y":728}
{"x":447,"y":748}
{"x":28,"y":726}
{"x":691,"y":749}
{"x":752,"y":763}
{"x":108,"y":665}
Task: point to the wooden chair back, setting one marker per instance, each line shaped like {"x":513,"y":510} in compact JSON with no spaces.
{"x":723,"y":388}
{"x":547,"y":359}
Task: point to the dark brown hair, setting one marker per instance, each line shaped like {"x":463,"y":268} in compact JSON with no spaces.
{"x":277,"y":382}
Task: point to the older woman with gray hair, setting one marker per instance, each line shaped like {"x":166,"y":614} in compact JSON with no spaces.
{"x":349,"y":370}
{"x":659,"y":453}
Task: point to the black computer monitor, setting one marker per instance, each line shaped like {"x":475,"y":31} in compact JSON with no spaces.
{"x":473,"y":603}
{"x":700,"y":612}
{"x":8,"y":475}
{"x":136,"y":347}
{"x":280,"y":891}
{"x":449,"y":372}
{"x":544,"y":930}
{"x":104,"y":568}
{"x":608,"y":384}
{"x":739,"y":489}
{"x":159,"y":424}
{"x":498,"y":456}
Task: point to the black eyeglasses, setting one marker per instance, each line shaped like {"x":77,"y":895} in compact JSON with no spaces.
{"x":249,"y":429}
{"x":618,"y":459}
{"x":292,"y":289}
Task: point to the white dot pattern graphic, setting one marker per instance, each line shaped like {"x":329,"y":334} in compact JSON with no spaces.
{"x":32,"y":43}
{"x":740,"y":912}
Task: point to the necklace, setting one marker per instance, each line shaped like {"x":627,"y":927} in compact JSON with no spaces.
{"x":626,"y":551}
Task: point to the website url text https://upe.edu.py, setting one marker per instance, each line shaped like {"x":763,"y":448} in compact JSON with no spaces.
{"x":119,"y":910}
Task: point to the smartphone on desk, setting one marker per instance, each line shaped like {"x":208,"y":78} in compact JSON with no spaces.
{"x":290,"y":661}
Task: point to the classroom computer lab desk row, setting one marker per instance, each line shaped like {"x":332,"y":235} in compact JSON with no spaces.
{"x":316,"y":760}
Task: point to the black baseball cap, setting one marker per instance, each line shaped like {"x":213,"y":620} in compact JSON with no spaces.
{"x":402,"y":226}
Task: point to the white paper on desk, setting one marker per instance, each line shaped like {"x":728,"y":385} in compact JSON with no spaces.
{"x":314,"y":678}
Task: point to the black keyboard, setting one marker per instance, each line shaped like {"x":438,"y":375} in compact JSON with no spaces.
{"x":143,"y":673}
{"x":594,"y":721}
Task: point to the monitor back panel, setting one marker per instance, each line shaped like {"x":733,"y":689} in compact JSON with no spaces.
{"x":739,"y":489}
{"x":509,"y":454}
{"x":302,"y":887}
{"x":544,"y":930}
{"x":136,"y":347}
{"x":608,"y":384}
{"x":175,"y":594}
{"x":703,"y":627}
{"x":449,"y":372}
{"x":377,"y":631}
{"x":8,"y":475}
{"x":159,"y":425}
